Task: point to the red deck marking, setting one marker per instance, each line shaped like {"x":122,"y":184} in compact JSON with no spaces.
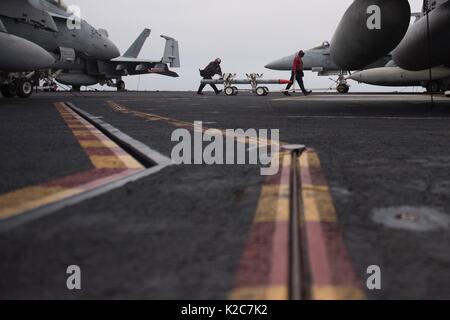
{"x":332,"y":273}
{"x":110,"y":162}
{"x":263,"y":272}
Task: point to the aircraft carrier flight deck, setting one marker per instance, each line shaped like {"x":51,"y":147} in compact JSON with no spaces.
{"x":87,"y":180}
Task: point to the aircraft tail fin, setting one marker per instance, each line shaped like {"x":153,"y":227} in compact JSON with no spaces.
{"x":136,"y":47}
{"x":171,"y":52}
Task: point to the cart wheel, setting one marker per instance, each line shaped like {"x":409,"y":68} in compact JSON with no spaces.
{"x":235,"y":91}
{"x":260,"y":91}
{"x":229,"y":91}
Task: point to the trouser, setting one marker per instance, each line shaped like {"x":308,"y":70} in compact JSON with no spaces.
{"x":202,"y":86}
{"x":299,"y":77}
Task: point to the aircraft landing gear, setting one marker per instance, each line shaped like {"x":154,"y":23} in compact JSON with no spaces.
{"x":120,"y":85}
{"x":433,"y":87}
{"x":9,"y":90}
{"x":24,"y":88}
{"x":342,"y":86}
{"x":76,"y":88}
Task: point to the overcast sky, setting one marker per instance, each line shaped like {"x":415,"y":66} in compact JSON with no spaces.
{"x":246,"y":34}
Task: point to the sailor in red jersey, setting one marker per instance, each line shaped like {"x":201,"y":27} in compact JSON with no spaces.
{"x":297,"y":74}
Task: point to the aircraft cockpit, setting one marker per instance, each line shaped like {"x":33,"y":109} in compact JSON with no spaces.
{"x":324,"y":45}
{"x":57,"y":3}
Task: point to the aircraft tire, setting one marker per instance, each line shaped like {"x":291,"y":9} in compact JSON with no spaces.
{"x":24,"y":88}
{"x":8,"y":90}
{"x":267,"y":91}
{"x":121,"y":85}
{"x":76,"y":88}
{"x":235,"y":91}
{"x":343,"y":88}
{"x":433,"y":87}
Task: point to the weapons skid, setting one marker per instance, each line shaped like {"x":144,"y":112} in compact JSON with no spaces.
{"x":255,"y":80}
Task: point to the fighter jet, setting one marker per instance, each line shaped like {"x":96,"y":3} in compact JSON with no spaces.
{"x":42,"y":39}
{"x":424,"y":46}
{"x":375,"y":36}
{"x":319,"y":60}
{"x":418,"y":60}
{"x":104,"y":72}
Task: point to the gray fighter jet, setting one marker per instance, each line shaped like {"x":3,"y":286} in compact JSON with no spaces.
{"x":421,"y":57}
{"x":417,"y":60}
{"x":423,"y":46}
{"x":41,"y":39}
{"x":391,"y":53}
{"x":319,"y":60}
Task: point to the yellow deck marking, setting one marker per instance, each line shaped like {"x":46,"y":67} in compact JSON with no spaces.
{"x":26,"y":199}
{"x":319,"y":208}
{"x":273,"y":203}
{"x":183,"y":124}
{"x":337,"y":293}
{"x":273,"y":206}
{"x":273,"y":293}
{"x":317,"y":201}
{"x":33,"y":197}
{"x":97,"y":144}
{"x":84,"y":129}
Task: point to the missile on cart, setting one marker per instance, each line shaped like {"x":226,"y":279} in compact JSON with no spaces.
{"x":255,"y":80}
{"x":245,"y":81}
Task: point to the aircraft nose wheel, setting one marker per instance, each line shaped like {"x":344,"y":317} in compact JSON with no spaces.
{"x":24,"y":88}
{"x":343,"y":88}
{"x":433,"y":87}
{"x":121,"y":85}
{"x":9,"y":90}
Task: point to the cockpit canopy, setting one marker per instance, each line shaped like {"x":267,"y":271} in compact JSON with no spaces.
{"x":324,"y":45}
{"x":58,"y":3}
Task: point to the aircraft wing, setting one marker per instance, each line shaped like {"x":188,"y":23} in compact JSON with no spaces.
{"x":136,"y":66}
{"x":130,"y":64}
{"x":133,"y":60}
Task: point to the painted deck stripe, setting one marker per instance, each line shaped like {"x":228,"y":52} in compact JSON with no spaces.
{"x":263,"y":273}
{"x":111,"y":163}
{"x":117,"y":158}
{"x":331,"y":270}
{"x":189,"y":126}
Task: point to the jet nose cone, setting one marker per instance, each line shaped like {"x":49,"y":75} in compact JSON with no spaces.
{"x":281,"y":64}
{"x":107,"y":50}
{"x":115,"y":52}
{"x":274,"y":65}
